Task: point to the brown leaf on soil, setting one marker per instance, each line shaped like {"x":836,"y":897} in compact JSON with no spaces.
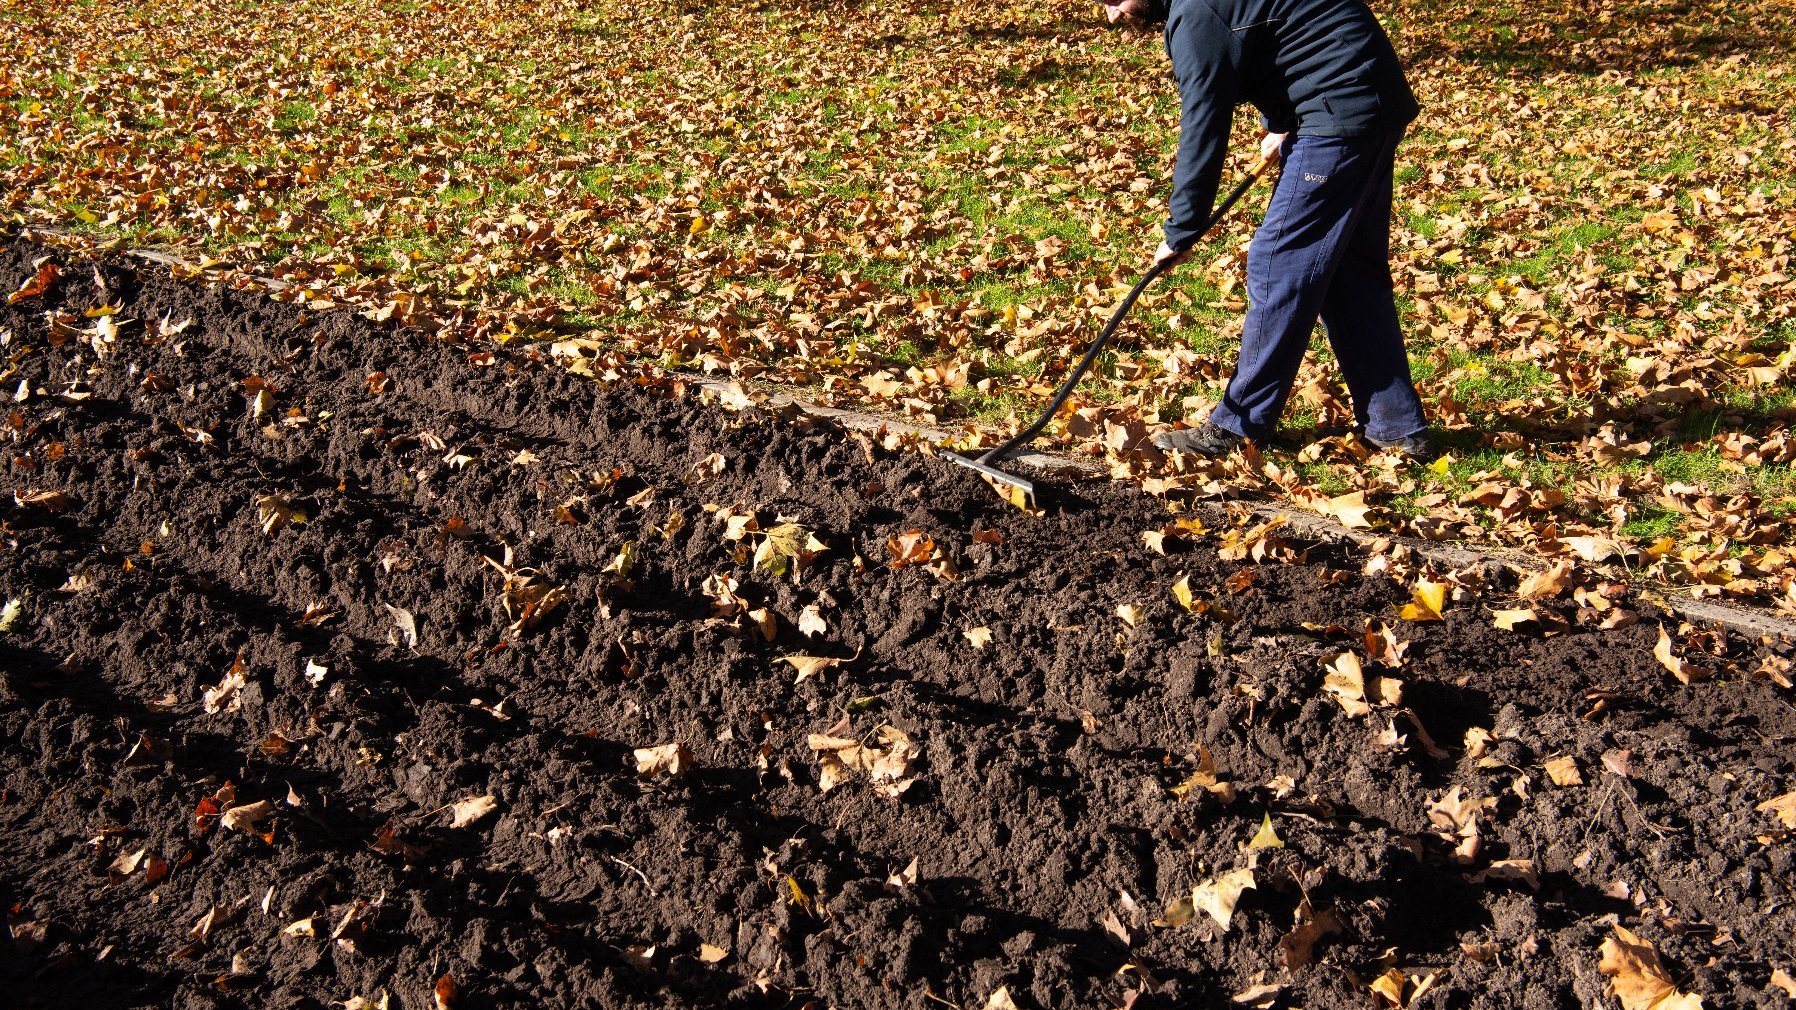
{"x":1546,"y":584}
{"x":48,"y":501}
{"x":467,"y":811}
{"x":1396,"y":988}
{"x":671,"y":760}
{"x":527,"y":596}
{"x":1000,"y":999}
{"x":1620,"y":762}
{"x":766,"y":622}
{"x":37,"y":285}
{"x":810,"y":666}
{"x":980,"y":637}
{"x":215,"y":917}
{"x":1509,"y":620}
{"x":388,"y":841}
{"x":248,"y":818}
{"x":885,"y":764}
{"x":1685,"y":671}
{"x":811,"y":622}
{"x":1382,"y":644}
{"x":405,"y":626}
{"x":1205,"y":778}
{"x":912,"y":548}
{"x":1428,"y":599}
{"x":1782,"y":980}
{"x":1218,"y":896}
{"x":225,"y":696}
{"x":1264,"y":995}
{"x":1130,"y":613}
{"x":1297,"y":948}
{"x":127,"y":862}
{"x":1350,"y":509}
{"x":444,"y":993}
{"x":1636,"y":977}
{"x":786,"y":547}
{"x":1180,"y":911}
{"x":712,"y":954}
{"x":1456,"y":822}
{"x":274,"y":511}
{"x":1783,"y":806}
{"x":1266,"y":837}
{"x":1347,"y":682}
{"x":903,"y":879}
{"x":1563,"y":770}
{"x":1518,"y":870}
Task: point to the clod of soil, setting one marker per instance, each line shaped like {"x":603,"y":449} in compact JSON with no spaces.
{"x":452,"y":685}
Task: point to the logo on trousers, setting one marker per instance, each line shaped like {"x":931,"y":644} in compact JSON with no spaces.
{"x":1315,"y":178}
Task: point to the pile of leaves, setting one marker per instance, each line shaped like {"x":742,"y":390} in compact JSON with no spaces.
{"x":930,"y":210}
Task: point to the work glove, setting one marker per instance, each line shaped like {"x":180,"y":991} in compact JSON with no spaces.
{"x":1167,"y":252}
{"x":1270,"y":145}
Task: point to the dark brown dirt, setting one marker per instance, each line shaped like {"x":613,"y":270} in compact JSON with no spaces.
{"x":1041,"y":791}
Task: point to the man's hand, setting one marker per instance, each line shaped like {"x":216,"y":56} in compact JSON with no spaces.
{"x":1166,"y":252}
{"x":1270,"y":145}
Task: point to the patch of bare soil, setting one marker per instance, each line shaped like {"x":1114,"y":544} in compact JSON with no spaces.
{"x":346,"y":664}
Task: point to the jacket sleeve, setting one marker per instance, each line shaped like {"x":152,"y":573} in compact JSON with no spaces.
{"x":1199,"y":44}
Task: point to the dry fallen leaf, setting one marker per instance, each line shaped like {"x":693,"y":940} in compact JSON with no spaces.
{"x":1206,"y":778}
{"x":1181,"y":591}
{"x":247,"y":818}
{"x":1509,"y":620}
{"x":1179,"y":912}
{"x":810,"y":666}
{"x":980,"y":637}
{"x":1518,"y":870}
{"x":1636,"y":977}
{"x":48,"y":501}
{"x":885,"y":764}
{"x":1686,"y":672}
{"x":1428,"y":599}
{"x":466,"y":812}
{"x":1297,"y":948}
{"x":1264,"y":995}
{"x":905,"y":878}
{"x":1397,"y":988}
{"x":1347,"y":682}
{"x":1131,"y":613}
{"x":672,"y":760}
{"x":226,"y":695}
{"x":405,"y":626}
{"x":1219,"y":895}
{"x":1563,"y":770}
{"x":1783,"y":806}
{"x":1548,"y":583}
{"x":1266,"y":837}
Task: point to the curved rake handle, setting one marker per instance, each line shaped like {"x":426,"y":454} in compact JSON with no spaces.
{"x":1028,"y":434}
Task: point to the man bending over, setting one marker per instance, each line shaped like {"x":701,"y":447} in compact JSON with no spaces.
{"x":1332,"y":96}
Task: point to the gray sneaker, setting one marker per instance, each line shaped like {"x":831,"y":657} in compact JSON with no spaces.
{"x":1420,"y":446}
{"x":1206,"y":439}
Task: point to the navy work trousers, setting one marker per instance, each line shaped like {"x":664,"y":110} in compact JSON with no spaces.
{"x":1324,"y":250}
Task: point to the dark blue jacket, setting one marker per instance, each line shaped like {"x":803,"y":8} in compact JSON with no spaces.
{"x":1315,"y":67}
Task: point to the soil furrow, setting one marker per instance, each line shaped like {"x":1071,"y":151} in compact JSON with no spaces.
{"x":1044,"y":762}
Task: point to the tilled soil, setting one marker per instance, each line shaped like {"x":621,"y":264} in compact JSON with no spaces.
{"x":1039,"y":812}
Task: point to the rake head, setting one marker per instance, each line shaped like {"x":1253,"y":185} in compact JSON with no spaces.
{"x":1018,"y":491}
